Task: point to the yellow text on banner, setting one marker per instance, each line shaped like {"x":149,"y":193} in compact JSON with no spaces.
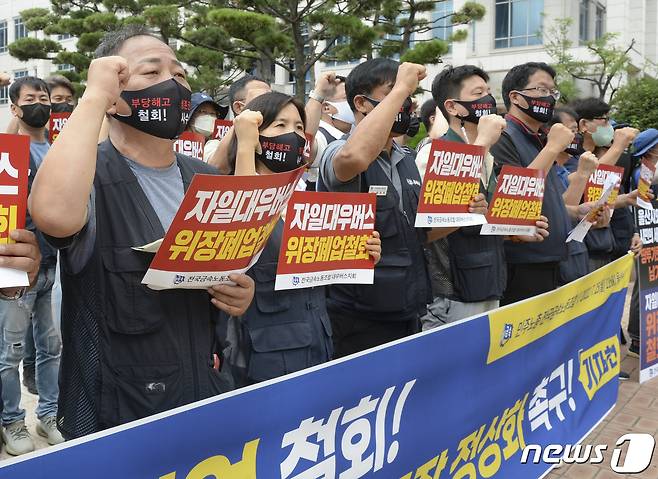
{"x":518,"y":325}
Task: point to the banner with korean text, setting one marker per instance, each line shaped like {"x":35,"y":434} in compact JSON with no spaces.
{"x":190,"y":144}
{"x":14,"y":171}
{"x":56,"y":124}
{"x":462,"y":401}
{"x":325,"y":240}
{"x":220,"y":228}
{"x":221,"y":128}
{"x":516,"y":204}
{"x":451,"y":181}
{"x":647,"y":274}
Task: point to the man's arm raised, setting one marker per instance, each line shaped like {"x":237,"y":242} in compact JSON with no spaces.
{"x":62,"y":186}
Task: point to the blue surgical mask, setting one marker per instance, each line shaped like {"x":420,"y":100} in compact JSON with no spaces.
{"x":603,"y":135}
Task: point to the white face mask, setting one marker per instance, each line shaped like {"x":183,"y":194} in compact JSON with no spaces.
{"x":344,"y":112}
{"x":204,"y":124}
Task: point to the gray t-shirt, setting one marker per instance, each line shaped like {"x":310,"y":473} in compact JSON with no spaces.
{"x":38,"y":151}
{"x":163,"y":188}
{"x":328,"y":173}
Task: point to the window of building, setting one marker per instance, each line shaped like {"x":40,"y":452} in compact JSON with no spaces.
{"x":20,"y":74}
{"x":64,"y":36}
{"x":518,"y":23}
{"x":20,"y":30}
{"x":583,"y":21}
{"x":342,"y":40}
{"x":441,"y":19}
{"x":3,"y":36}
{"x":4,"y":95}
{"x":65,"y":67}
{"x":599,"y":23}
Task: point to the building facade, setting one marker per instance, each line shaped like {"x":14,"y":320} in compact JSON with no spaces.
{"x":509,"y":34}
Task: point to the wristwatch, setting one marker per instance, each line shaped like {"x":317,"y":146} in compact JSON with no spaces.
{"x":316,"y":96}
{"x":19,"y":294}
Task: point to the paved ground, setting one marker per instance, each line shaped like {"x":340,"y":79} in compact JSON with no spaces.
{"x":636,"y":411}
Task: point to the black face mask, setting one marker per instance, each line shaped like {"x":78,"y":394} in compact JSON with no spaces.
{"x":414,"y":127}
{"x":540,"y":109}
{"x":483,"y":106}
{"x":576,"y":146}
{"x":35,"y":115}
{"x":160,"y":110}
{"x":283,"y":152}
{"x":61,"y":107}
{"x":402,"y":120}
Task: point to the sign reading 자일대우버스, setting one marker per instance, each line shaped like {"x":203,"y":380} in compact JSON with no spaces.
{"x":14,"y":168}
{"x":452,"y":180}
{"x":611,"y":183}
{"x":647,"y":223}
{"x":647,"y":171}
{"x":190,"y":144}
{"x":516,"y":204}
{"x":595,"y":184}
{"x":220,"y":228}
{"x":372,"y":415}
{"x":56,"y":124}
{"x":221,"y":128}
{"x":324,"y":241}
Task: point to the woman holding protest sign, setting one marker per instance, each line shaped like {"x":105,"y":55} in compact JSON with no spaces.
{"x":283,"y":331}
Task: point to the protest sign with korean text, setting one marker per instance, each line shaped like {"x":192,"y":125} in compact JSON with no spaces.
{"x":56,"y":124}
{"x":595,"y":184}
{"x":452,"y":180}
{"x":523,"y":377}
{"x":647,"y":171}
{"x":190,"y":144}
{"x":220,"y":228}
{"x":221,"y":128}
{"x":611,"y":184}
{"x":14,"y":170}
{"x":647,"y":272}
{"x":324,"y":241}
{"x":516,"y":204}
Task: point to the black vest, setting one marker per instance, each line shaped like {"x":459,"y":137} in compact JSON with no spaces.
{"x":401,"y":289}
{"x":287,"y":330}
{"x":553,"y":248}
{"x":129,"y":351}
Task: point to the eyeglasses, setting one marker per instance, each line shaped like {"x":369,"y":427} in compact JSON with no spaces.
{"x":545,"y":91}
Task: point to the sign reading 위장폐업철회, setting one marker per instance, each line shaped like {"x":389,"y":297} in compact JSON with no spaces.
{"x":594,"y":188}
{"x":517,"y":202}
{"x":324,"y":241}
{"x":220,"y":228}
{"x":451,"y":181}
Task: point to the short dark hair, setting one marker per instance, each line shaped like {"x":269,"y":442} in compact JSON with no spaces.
{"x":269,"y":105}
{"x":449,"y":82}
{"x":367,"y":76}
{"x":567,"y":110}
{"x":113,"y":40}
{"x":427,"y":110}
{"x":32,"y":82}
{"x":517,"y":78}
{"x":238,"y":87}
{"x":590,"y":108}
{"x":54,"y":81}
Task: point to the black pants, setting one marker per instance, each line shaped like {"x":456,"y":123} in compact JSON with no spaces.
{"x":525,"y":280}
{"x":353,"y":334}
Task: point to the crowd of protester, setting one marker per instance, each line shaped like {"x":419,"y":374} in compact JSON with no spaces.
{"x":101,"y":349}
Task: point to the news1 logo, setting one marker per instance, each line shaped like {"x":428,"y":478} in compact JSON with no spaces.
{"x":638,"y":455}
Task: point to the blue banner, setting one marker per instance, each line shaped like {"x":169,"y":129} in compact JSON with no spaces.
{"x":459,"y":402}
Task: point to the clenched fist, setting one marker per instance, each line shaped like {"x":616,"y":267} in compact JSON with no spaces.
{"x":559,"y":137}
{"x":490,"y":128}
{"x":106,"y":79}
{"x":408,"y":77}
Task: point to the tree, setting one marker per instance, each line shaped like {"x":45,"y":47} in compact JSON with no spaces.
{"x":219,"y":39}
{"x":605,"y":67}
{"x":637,"y":103}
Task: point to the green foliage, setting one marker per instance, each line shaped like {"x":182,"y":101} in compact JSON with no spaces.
{"x":422,"y":133}
{"x":637,"y":103}
{"x":426,"y":52}
{"x":27,"y":48}
{"x":605,"y":67}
